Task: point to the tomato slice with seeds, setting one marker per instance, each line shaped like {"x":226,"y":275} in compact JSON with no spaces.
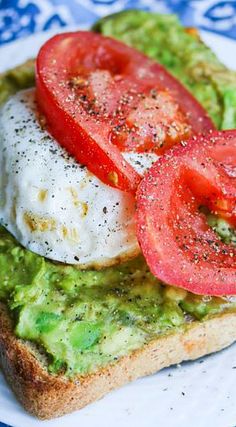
{"x":179,"y":246}
{"x":102,"y":98}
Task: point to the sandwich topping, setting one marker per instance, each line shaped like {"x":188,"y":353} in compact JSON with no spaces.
{"x":105,"y":98}
{"x":171,"y":219}
{"x":104,"y":118}
{"x":86,"y":319}
{"x":52,"y":204}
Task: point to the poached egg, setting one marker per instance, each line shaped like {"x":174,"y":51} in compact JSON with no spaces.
{"x":52,"y":204}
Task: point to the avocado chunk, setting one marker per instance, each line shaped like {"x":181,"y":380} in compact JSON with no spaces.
{"x":20,"y":77}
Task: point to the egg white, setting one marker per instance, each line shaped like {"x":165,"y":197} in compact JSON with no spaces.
{"x":53,"y":205}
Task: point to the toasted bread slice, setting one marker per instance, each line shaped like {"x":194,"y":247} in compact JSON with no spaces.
{"x":47,"y":396}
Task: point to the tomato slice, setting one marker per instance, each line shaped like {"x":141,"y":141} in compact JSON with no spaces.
{"x":179,"y":246}
{"x":102,"y":98}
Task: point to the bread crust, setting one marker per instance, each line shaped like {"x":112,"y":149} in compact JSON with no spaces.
{"x":47,"y":396}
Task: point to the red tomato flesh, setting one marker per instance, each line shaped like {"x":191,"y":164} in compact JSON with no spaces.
{"x":101,"y":98}
{"x":179,"y":246}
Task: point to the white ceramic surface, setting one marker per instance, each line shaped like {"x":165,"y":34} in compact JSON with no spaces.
{"x":196,"y":394}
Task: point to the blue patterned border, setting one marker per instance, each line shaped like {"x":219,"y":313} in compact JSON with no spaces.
{"x":19,"y":18}
{"x":216,"y":16}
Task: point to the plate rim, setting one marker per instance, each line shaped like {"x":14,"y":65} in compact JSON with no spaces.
{"x":8,"y":48}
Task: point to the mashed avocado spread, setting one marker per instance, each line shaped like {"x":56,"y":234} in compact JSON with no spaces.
{"x":85,"y":319}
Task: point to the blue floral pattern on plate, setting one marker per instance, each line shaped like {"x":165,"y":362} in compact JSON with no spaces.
{"x":218,"y":17}
{"x":21,"y":18}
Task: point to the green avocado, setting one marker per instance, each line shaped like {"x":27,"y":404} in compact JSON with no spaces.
{"x":17,"y":78}
{"x":182,"y":52}
{"x":86,"y":319}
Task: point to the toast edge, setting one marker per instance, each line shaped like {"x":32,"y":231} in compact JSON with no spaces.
{"x":47,"y":396}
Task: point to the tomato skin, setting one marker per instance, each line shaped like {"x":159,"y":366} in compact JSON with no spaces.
{"x":179,"y":246}
{"x":101,"y":161}
{"x":86,"y":133}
